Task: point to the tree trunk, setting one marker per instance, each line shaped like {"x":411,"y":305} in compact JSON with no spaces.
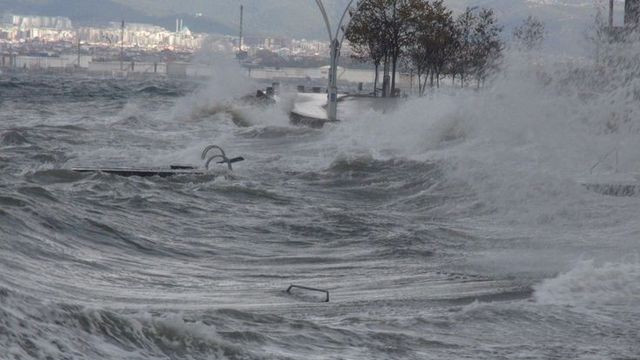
{"x":393,"y":73}
{"x":411,"y":81}
{"x":395,"y":53}
{"x":425,"y":83}
{"x":375,"y":80}
{"x":385,"y":78}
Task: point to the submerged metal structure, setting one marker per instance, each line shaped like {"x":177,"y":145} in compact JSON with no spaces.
{"x":173,"y":170}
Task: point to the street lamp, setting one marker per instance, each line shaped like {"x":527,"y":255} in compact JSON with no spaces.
{"x":336,"y":41}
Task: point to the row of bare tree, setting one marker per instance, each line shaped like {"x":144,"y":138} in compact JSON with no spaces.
{"x":425,"y":38}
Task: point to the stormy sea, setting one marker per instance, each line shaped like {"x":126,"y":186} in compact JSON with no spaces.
{"x":455,"y":226}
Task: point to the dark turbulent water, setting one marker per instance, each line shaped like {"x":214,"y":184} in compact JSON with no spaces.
{"x":454,"y":228}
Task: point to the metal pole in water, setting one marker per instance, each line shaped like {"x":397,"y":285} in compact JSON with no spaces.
{"x":611,"y":14}
{"x":335,"y":41}
{"x":332,"y":108}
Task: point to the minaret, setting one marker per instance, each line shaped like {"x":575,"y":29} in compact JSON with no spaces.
{"x":240,"y":40}
{"x":122,"y":46}
{"x":78,"y":35}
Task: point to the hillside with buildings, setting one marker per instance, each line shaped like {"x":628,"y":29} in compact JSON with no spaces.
{"x":57,"y":43}
{"x":62,"y":37}
{"x":295,"y":18}
{"x":84,"y":12}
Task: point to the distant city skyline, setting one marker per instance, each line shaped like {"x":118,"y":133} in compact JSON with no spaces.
{"x":294,"y":18}
{"x":32,"y":42}
{"x":567,"y":21}
{"x":19,"y":28}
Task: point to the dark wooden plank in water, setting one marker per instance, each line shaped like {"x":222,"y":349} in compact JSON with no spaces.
{"x":129,"y":172}
{"x":622,"y":190}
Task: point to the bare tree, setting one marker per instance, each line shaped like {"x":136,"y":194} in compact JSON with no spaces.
{"x":382,"y":27}
{"x":416,"y":53}
{"x":366,"y":38}
{"x":426,"y":37}
{"x":443,"y":39}
{"x":487,"y":45}
{"x":433,"y":42}
{"x":462,"y":61}
{"x":530,"y":34}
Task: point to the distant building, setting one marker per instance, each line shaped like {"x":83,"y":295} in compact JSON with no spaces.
{"x":47,"y":22}
{"x":48,"y":62}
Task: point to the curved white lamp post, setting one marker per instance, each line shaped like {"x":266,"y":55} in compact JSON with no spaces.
{"x":336,"y":39}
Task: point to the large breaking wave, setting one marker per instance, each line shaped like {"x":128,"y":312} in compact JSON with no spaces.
{"x":457,"y":216}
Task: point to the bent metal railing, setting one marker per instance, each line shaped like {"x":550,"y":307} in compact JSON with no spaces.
{"x":309,"y":289}
{"x":222,"y":156}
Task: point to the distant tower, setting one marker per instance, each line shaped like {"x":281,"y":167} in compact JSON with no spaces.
{"x":122,"y":46}
{"x":78,"y":36}
{"x":240,"y":40}
{"x":178,"y":24}
{"x":632,"y":13}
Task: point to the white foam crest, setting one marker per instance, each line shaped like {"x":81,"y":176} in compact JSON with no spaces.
{"x":529,"y":137}
{"x":47,"y":330}
{"x":229,"y":82}
{"x":588,"y":284}
{"x":277,"y":115}
{"x":524,"y":145}
{"x":417,"y":126}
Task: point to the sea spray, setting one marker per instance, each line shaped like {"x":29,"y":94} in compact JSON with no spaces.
{"x":592,"y":284}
